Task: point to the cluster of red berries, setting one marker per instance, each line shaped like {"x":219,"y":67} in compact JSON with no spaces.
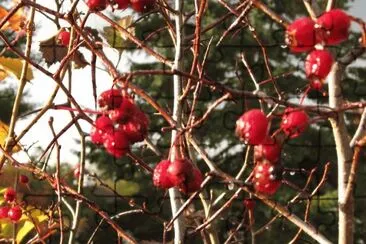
{"x":179,"y":173}
{"x":304,"y":34}
{"x":137,"y":5}
{"x":14,"y":212}
{"x":121,"y":124}
{"x":252,"y":128}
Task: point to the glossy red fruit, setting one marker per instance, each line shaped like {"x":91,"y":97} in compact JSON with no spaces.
{"x":63,"y":38}
{"x":318,"y":64}
{"x":294,"y":122}
{"x":9,"y":194}
{"x":4,"y":212}
{"x":193,"y":181}
{"x":336,"y":24}
{"x":110,"y":99}
{"x":316,"y":84}
{"x":301,"y":35}
{"x":116,"y":143}
{"x":161,"y":177}
{"x":122,"y":4}
{"x":124,"y":112}
{"x":136,"y":128}
{"x":266,"y":177}
{"x":142,"y":5}
{"x":179,"y":170}
{"x":15,"y":213}
{"x":97,"y":5}
{"x":269,"y":149}
{"x":103,"y":126}
{"x":252,"y":126}
{"x":23,"y":179}
{"x":249,"y":203}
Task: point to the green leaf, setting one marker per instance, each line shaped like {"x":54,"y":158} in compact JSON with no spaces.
{"x":115,"y":38}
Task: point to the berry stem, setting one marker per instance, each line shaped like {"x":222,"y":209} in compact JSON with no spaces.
{"x":76,"y":110}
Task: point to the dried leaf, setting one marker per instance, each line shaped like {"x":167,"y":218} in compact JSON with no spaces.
{"x":13,"y":66}
{"x":115,"y":38}
{"x":53,"y":52}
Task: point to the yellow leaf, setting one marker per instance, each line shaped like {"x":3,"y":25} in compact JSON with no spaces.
{"x":125,"y":22}
{"x":13,"y":66}
{"x":36,"y":215}
{"x":4,"y":130}
{"x":15,"y":23}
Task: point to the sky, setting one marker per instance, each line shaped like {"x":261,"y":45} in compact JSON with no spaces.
{"x":41,"y":87}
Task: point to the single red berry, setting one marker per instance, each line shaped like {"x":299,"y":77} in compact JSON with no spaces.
{"x":97,"y":5}
{"x":136,"y":128}
{"x":122,"y":4}
{"x":179,"y":169}
{"x":249,"y":203}
{"x":267,"y":177}
{"x":63,"y":38}
{"x":193,"y":181}
{"x":294,"y":122}
{"x":269,"y":149}
{"x":161,"y":177}
{"x":110,"y":99}
{"x":336,"y":24}
{"x":252,"y":127}
{"x":116,"y":143}
{"x":301,"y":35}
{"x":23,"y":179}
{"x":103,"y":126}
{"x":4,"y":212}
{"x":9,"y":194}
{"x":318,"y":64}
{"x":124,"y":112}
{"x":141,"y":6}
{"x":15,"y":213}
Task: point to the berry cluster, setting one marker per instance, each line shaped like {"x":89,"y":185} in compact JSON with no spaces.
{"x":252,"y":128}
{"x":13,"y":212}
{"x":121,"y":124}
{"x":139,"y":6}
{"x":304,"y":34}
{"x":179,"y":173}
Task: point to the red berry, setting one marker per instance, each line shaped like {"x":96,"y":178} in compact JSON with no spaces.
{"x":161,"y":177}
{"x":23,"y":179}
{"x":97,"y":5}
{"x":15,"y":213}
{"x":252,"y":126}
{"x":110,"y":99}
{"x":179,"y":170}
{"x":136,"y":128}
{"x":124,"y":112}
{"x":318,"y":64}
{"x":142,"y":5}
{"x":103,"y":126}
{"x":249,"y":203}
{"x":122,"y":4}
{"x":193,"y":181}
{"x":116,"y":143}
{"x":301,"y":35}
{"x":269,"y":149}
{"x":4,"y":212}
{"x":9,"y":194}
{"x":294,"y":122}
{"x":336,"y":23}
{"x":63,"y":38}
{"x":266,"y":177}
